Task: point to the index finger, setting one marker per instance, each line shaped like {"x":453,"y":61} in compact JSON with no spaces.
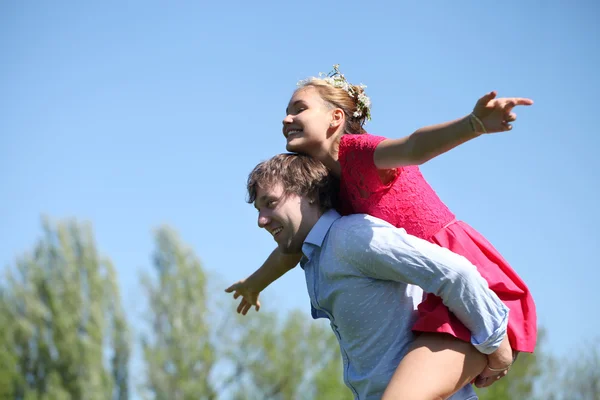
{"x":231,"y":288}
{"x":519,"y":101}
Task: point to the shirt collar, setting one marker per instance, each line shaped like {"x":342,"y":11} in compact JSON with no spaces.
{"x":317,"y":234}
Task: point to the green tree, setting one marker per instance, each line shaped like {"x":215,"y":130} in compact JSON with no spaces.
{"x":326,"y":381}
{"x":178,"y":352}
{"x":64,"y":335}
{"x":582,"y":376}
{"x":574,"y":377}
{"x":195,"y":350}
{"x":287,"y":360}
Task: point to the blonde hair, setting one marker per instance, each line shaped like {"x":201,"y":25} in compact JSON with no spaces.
{"x":337,"y":97}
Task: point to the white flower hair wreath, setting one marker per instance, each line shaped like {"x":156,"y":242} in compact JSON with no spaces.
{"x":336,"y":79}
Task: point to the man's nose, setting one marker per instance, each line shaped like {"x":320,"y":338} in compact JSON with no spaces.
{"x":263,"y":219}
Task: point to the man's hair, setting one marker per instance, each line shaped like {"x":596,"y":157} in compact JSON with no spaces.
{"x":298,"y":174}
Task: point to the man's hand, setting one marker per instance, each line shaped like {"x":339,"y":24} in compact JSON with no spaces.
{"x":249,"y":296}
{"x":496,"y":114}
{"x":499,"y":363}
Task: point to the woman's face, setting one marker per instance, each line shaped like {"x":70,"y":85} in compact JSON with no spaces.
{"x":307,"y":121}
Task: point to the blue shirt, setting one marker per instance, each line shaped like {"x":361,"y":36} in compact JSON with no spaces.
{"x":367,"y":277}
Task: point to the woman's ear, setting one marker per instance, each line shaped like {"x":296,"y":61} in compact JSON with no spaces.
{"x":337,"y":118}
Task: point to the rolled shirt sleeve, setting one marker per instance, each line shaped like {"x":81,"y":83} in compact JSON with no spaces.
{"x":382,"y":251}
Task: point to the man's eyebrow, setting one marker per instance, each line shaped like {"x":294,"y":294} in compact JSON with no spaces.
{"x":265,"y":198}
{"x":259,"y":200}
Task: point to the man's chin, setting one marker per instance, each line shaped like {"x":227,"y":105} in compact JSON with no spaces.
{"x":287,"y":249}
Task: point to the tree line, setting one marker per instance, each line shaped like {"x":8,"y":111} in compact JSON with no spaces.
{"x":64,"y":335}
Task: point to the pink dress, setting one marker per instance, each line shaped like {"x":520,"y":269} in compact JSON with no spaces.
{"x":403,"y":198}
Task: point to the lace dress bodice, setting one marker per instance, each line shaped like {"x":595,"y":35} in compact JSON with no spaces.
{"x":399,"y":196}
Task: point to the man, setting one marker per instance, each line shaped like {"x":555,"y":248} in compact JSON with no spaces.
{"x":361,"y":274}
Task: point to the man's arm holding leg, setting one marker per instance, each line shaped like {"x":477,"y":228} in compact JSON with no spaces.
{"x":443,"y":359}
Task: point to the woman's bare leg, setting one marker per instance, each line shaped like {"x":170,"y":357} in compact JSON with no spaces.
{"x":436,"y":366}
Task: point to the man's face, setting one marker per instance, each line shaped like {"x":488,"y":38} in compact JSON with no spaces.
{"x":289,"y":218}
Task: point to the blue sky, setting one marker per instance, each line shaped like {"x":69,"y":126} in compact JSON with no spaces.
{"x":131,"y":115}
